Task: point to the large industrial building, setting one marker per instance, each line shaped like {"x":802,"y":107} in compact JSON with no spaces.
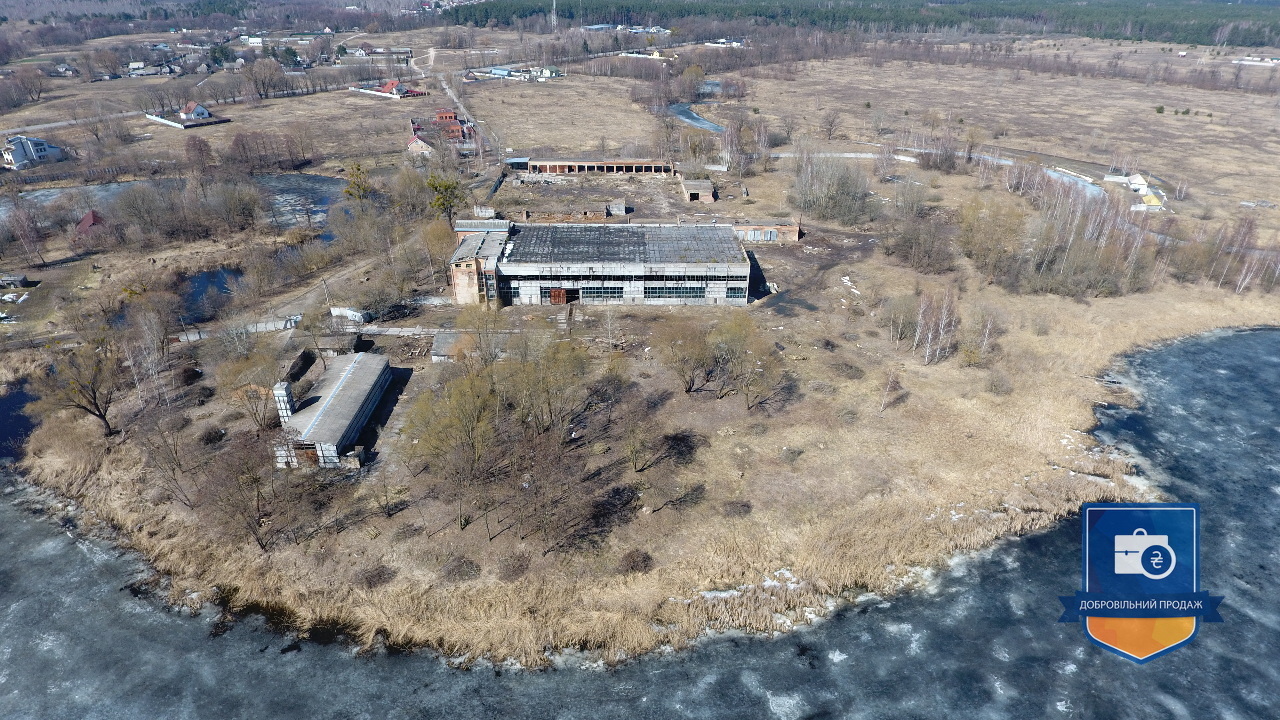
{"x":620,"y":264}
{"x":323,"y":426}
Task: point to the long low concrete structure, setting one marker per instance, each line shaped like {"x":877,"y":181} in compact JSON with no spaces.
{"x":323,"y":427}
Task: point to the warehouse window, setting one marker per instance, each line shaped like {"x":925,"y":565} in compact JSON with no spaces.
{"x":664,"y":291}
{"x":601,"y":292}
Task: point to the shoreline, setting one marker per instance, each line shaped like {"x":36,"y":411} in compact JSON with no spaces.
{"x":47,"y":504}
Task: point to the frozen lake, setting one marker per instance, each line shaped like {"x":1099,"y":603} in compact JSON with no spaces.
{"x":983,"y":643}
{"x":296,"y":199}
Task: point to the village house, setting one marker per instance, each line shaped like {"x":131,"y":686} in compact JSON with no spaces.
{"x":392,"y":89}
{"x":419,"y":146}
{"x":90,"y":224}
{"x":22,"y":152}
{"x":1152,"y":199}
{"x":194,"y":111}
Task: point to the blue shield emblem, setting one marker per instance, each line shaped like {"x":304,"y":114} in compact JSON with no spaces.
{"x":1140,"y":596}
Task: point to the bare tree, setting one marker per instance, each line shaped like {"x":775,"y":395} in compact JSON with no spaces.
{"x":32,"y":81}
{"x":886,"y":160}
{"x":454,"y":434}
{"x":85,"y":379}
{"x":893,"y":391}
{"x":686,"y":352}
{"x":177,"y":463}
{"x":830,"y":124}
{"x":1182,"y":190}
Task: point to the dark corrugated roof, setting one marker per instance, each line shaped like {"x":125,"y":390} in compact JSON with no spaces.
{"x":566,"y":243}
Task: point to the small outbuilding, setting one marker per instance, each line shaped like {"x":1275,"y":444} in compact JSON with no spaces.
{"x":698,"y":191}
{"x":91,"y":223}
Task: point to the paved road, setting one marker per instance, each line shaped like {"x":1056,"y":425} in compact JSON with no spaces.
{"x":64,"y":123}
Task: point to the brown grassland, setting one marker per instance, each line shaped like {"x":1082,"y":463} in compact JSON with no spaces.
{"x":1225,"y":158}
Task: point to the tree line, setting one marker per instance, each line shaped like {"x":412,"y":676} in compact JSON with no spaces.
{"x":1178,"y":21}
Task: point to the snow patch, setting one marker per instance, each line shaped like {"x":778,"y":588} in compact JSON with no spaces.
{"x":834,"y":656}
{"x":786,"y":707}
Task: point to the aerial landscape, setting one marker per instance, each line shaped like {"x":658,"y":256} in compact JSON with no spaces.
{"x":500,"y":358}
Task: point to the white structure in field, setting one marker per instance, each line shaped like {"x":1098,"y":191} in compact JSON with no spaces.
{"x":1152,"y":199}
{"x":22,"y":152}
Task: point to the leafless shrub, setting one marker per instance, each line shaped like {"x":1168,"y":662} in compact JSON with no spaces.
{"x":848,"y":371}
{"x":459,"y":569}
{"x":512,"y":567}
{"x":375,"y":577}
{"x":635,"y":561}
{"x":212,"y":436}
{"x":998,"y":383}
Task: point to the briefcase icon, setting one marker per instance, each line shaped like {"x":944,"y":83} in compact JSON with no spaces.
{"x":1129,"y":551}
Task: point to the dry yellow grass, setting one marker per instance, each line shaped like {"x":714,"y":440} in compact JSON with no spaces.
{"x":545,"y":115}
{"x":950,"y":470}
{"x":18,"y":364}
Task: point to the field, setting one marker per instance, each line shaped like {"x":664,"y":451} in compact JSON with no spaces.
{"x":1223,"y":157}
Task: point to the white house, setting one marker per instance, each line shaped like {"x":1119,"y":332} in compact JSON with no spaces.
{"x":418,"y":146}
{"x":194,"y":111}
{"x":22,"y":152}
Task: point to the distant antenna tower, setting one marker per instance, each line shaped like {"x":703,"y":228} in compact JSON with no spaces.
{"x":553,"y":16}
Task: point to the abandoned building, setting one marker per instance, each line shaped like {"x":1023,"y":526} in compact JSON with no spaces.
{"x":561,"y":167}
{"x":617,"y":264}
{"x":766,"y":231}
{"x":323,"y":426}
{"x":698,"y":190}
